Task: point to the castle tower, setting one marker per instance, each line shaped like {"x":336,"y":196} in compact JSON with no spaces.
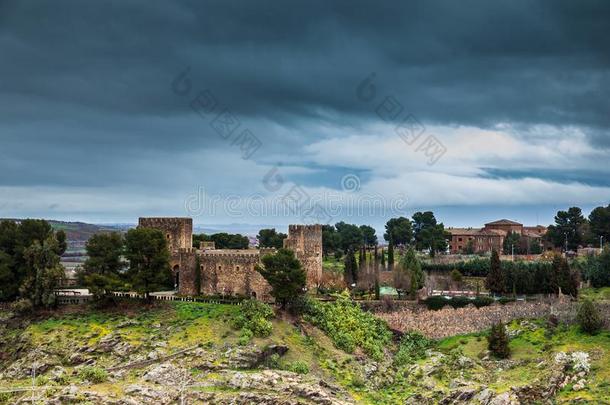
{"x":179,"y":234}
{"x":306,"y":243}
{"x":178,"y":231}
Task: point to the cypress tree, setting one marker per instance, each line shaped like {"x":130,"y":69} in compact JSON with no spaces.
{"x":495,"y":278}
{"x":391,"y":256}
{"x":497,"y":341}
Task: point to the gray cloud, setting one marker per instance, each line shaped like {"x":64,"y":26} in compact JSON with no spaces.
{"x":86,"y":100}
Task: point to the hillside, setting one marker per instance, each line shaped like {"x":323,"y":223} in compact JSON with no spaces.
{"x":196,"y":351}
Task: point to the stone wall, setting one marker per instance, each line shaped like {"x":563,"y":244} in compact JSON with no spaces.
{"x":178,"y":231}
{"x":449,"y":322}
{"x":232,"y":272}
{"x":306,"y":243}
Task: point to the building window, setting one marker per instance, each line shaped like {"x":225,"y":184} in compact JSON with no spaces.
{"x":459,"y":239}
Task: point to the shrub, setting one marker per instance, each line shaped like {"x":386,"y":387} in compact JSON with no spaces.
{"x":245,"y":337}
{"x":348,"y":326}
{"x":588,"y":318}
{"x":254,"y":316}
{"x":93,"y":374}
{"x":438,"y":302}
{"x":299,"y":367}
{"x":22,"y":306}
{"x":497,"y":341}
{"x":273,"y":361}
{"x":412,"y":347}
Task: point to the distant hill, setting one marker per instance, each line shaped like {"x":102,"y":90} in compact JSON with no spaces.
{"x":80,"y":231}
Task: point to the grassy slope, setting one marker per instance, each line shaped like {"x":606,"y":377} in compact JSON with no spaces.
{"x":192,"y":324}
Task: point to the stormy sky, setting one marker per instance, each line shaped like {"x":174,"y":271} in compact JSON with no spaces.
{"x":244,"y":112}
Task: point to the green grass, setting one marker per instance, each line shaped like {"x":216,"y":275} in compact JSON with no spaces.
{"x":595,"y":294}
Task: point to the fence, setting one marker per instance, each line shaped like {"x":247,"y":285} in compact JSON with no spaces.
{"x":167,"y":297}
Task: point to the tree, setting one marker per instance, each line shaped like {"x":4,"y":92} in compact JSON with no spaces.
{"x":497,"y":341}
{"x":44,"y":273}
{"x":495,"y":277}
{"x":599,"y":269}
{"x":223,"y":240}
{"x":428,"y":234}
{"x":589,"y":318}
{"x":148,"y":255}
{"x":330,"y":240}
{"x":564,"y":277}
{"x":409,"y":274}
{"x":391,"y":256}
{"x":270,"y":238}
{"x":399,"y":231}
{"x":350,"y":236}
{"x":456,"y":277}
{"x":570,"y":225}
{"x":29,"y":260}
{"x":102,"y":270}
{"x":469,"y":248}
{"x":512,"y":242}
{"x":350,"y":268}
{"x":285,"y":275}
{"x":599,"y":224}
{"x":369,"y":238}
{"x":62,"y":242}
{"x":535,"y":247}
{"x":382,"y":259}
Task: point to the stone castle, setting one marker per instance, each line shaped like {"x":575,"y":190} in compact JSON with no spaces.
{"x":231,"y":271}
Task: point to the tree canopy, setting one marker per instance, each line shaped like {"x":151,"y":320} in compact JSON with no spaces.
{"x":428,"y":233}
{"x":223,"y":240}
{"x":270,"y":238}
{"x":398,"y":231}
{"x":148,"y":255}
{"x":29,"y":260}
{"x":570,"y":225}
{"x":285,"y":275}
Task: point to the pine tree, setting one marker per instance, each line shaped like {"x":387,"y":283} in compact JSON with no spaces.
{"x":589,"y":318}
{"x":497,"y":341}
{"x":495,"y":277}
{"x":285,"y":275}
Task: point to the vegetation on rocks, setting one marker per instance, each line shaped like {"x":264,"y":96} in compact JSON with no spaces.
{"x":349,"y":327}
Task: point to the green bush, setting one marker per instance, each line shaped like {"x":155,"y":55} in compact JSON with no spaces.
{"x":412,"y":347}
{"x":254,"y":316}
{"x":299,"y":367}
{"x":93,"y":374}
{"x":22,"y":306}
{"x":245,"y":337}
{"x":589,"y":318}
{"x":348,"y":326}
{"x":497,"y":341}
{"x":438,"y":302}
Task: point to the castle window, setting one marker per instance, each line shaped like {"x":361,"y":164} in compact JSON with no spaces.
{"x":237,"y":268}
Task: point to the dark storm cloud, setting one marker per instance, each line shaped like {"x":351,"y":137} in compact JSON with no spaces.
{"x":87,"y":85}
{"x":456,"y":62}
